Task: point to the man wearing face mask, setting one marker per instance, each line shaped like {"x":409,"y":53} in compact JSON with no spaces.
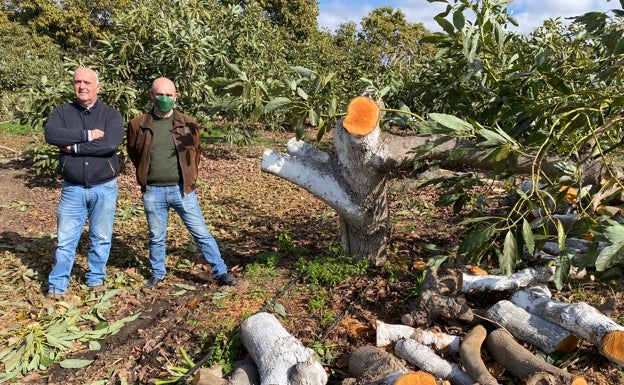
{"x":165,"y":147}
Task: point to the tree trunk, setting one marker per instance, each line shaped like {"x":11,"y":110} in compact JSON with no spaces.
{"x":354,"y":183}
{"x":280,"y":357}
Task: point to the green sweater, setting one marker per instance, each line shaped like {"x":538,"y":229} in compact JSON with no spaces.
{"x":163,"y":167}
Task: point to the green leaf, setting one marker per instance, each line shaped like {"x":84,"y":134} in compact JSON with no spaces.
{"x":609,"y":255}
{"x":451,"y":122}
{"x":280,"y":309}
{"x":75,"y":363}
{"x":184,"y":286}
{"x":527,"y":234}
{"x":510,"y":253}
{"x":277,"y":103}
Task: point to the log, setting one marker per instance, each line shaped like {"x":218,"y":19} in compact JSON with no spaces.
{"x":280,"y":357}
{"x":521,"y":362}
{"x":416,"y":378}
{"x":371,"y":365}
{"x":540,"y":332}
{"x":388,"y":334}
{"x":470,"y":354}
{"x":244,"y":372}
{"x":579,"y":318}
{"x":425,"y":358}
{"x":517,"y":280}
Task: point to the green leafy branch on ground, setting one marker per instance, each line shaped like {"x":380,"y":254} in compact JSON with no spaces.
{"x":46,"y":339}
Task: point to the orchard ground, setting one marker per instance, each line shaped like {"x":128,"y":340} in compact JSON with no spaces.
{"x":265,"y":227}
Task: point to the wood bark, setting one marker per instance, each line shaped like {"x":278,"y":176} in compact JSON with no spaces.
{"x":370,"y":365}
{"x":580,"y":318}
{"x":540,"y":332}
{"x":517,"y":280}
{"x":281,"y":358}
{"x":388,"y":334}
{"x":426,"y":359}
{"x":521,"y":362}
{"x":470,"y":354}
{"x":438,"y":299}
{"x":354,"y":182}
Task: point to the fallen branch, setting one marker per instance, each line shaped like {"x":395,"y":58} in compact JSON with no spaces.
{"x":426,"y":359}
{"x":542,"y":333}
{"x":470,"y":354}
{"x":281,"y":358}
{"x":522,"y":363}
{"x":517,"y":280}
{"x":388,"y":334}
{"x":580,"y":318}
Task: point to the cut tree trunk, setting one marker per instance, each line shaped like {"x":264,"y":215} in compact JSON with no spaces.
{"x":540,"y":332}
{"x":580,"y":318}
{"x":354,"y":183}
{"x":522,"y":363}
{"x":470,"y":354}
{"x":426,"y":359}
{"x":281,"y":358}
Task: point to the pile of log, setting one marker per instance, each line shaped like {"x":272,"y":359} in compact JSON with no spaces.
{"x":417,"y":353}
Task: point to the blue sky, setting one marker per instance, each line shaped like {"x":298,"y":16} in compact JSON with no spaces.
{"x":529,"y":13}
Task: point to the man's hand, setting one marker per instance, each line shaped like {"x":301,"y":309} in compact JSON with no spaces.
{"x":96,"y":133}
{"x":65,"y":149}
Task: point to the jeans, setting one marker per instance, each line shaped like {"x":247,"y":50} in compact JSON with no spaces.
{"x":157,"y":200}
{"x":78,"y":203}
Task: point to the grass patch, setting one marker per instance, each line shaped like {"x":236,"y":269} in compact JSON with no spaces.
{"x":15,"y":129}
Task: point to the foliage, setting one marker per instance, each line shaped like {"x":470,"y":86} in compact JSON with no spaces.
{"x":26,"y":58}
{"x":547,"y":94}
{"x":49,"y":337}
{"x":74,"y":25}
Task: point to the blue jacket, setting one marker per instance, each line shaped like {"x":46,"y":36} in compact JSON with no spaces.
{"x":91,"y":162}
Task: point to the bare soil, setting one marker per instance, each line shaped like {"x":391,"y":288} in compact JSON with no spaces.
{"x":251,"y":214}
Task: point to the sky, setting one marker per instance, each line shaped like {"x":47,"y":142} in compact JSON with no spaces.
{"x":528,"y":13}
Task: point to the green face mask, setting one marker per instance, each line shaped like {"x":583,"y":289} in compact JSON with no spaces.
{"x":164,"y":103}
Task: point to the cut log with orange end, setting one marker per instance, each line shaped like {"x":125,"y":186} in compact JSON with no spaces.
{"x":476,"y":270}
{"x":362,"y":116}
{"x":416,"y":378}
{"x":613,"y":346}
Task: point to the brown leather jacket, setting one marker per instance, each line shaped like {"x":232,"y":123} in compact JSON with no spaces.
{"x":186,"y":134}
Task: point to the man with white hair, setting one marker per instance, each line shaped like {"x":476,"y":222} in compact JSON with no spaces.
{"x":88,"y":134}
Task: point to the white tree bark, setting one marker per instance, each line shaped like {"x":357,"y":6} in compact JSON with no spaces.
{"x":543,"y":334}
{"x":580,"y":318}
{"x":388,"y":334}
{"x":280,"y":357}
{"x":425,"y":358}
{"x":519,"y":279}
